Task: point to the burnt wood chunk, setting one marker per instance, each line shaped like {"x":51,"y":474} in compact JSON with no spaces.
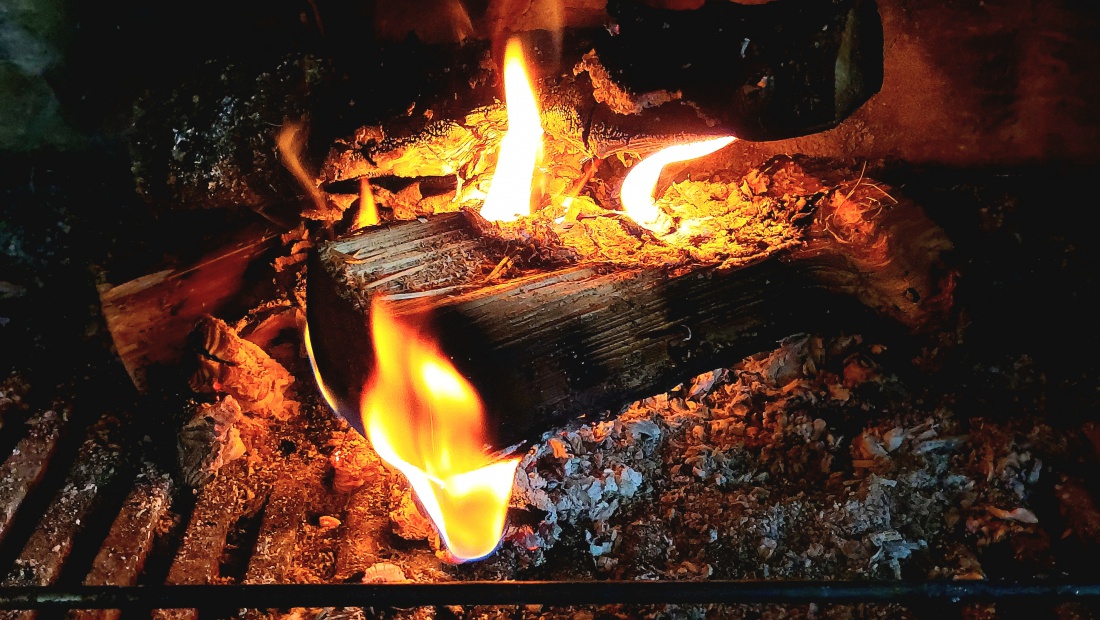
{"x":551,"y":345}
{"x":27,"y":463}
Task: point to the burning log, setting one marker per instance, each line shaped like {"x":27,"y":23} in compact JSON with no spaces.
{"x":569,"y":337}
{"x":765,"y":72}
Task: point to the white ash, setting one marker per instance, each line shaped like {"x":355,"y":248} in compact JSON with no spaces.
{"x":756,"y":471}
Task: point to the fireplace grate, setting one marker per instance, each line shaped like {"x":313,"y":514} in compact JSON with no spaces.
{"x":67,"y":545}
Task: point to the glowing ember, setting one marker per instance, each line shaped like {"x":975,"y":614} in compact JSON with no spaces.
{"x":637,"y":190}
{"x":425,"y":419}
{"x":510,"y":190}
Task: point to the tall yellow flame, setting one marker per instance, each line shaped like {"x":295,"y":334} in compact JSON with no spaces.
{"x":426,"y":420}
{"x":509,"y":194}
{"x":637,"y":190}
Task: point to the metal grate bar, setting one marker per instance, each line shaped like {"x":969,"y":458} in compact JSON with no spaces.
{"x":560,"y":593}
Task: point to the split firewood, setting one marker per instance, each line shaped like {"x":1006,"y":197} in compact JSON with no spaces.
{"x":229,"y":364}
{"x":554,"y":321}
{"x":150,"y":317}
{"x":209,"y":440}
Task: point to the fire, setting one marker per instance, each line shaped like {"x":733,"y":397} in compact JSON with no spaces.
{"x":425,"y":419}
{"x":509,"y":194}
{"x":637,"y":190}
{"x":368,"y":209}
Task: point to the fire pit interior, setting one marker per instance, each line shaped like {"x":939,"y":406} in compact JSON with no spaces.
{"x":444,"y":291}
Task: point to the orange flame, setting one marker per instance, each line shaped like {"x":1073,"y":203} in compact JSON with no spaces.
{"x":509,"y":194}
{"x":368,"y":209}
{"x":637,"y":190}
{"x":290,"y":141}
{"x":425,"y":419}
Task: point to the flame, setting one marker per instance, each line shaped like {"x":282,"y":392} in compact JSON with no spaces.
{"x":425,"y":419}
{"x":510,"y":190}
{"x":291,"y":141}
{"x":368,"y":209}
{"x":637,"y":190}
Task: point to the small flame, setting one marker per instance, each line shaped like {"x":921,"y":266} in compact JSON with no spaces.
{"x":368,"y":209}
{"x":425,"y":419}
{"x":291,"y":142}
{"x":637,"y":190}
{"x":510,"y":190}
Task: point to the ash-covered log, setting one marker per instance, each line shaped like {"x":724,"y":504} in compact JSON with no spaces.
{"x":574,"y":338}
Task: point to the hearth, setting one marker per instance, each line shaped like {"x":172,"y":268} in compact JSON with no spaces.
{"x":570,"y":309}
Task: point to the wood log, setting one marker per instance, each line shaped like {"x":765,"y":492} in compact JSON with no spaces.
{"x":150,"y":317}
{"x":553,"y":345}
{"x":763,"y":72}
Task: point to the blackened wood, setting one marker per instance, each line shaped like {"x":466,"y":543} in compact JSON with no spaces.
{"x":27,"y":463}
{"x":550,"y":347}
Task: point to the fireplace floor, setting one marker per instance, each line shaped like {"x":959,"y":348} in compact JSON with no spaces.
{"x":834,"y":456}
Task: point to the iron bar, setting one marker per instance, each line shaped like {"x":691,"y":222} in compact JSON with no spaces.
{"x":554,"y":593}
